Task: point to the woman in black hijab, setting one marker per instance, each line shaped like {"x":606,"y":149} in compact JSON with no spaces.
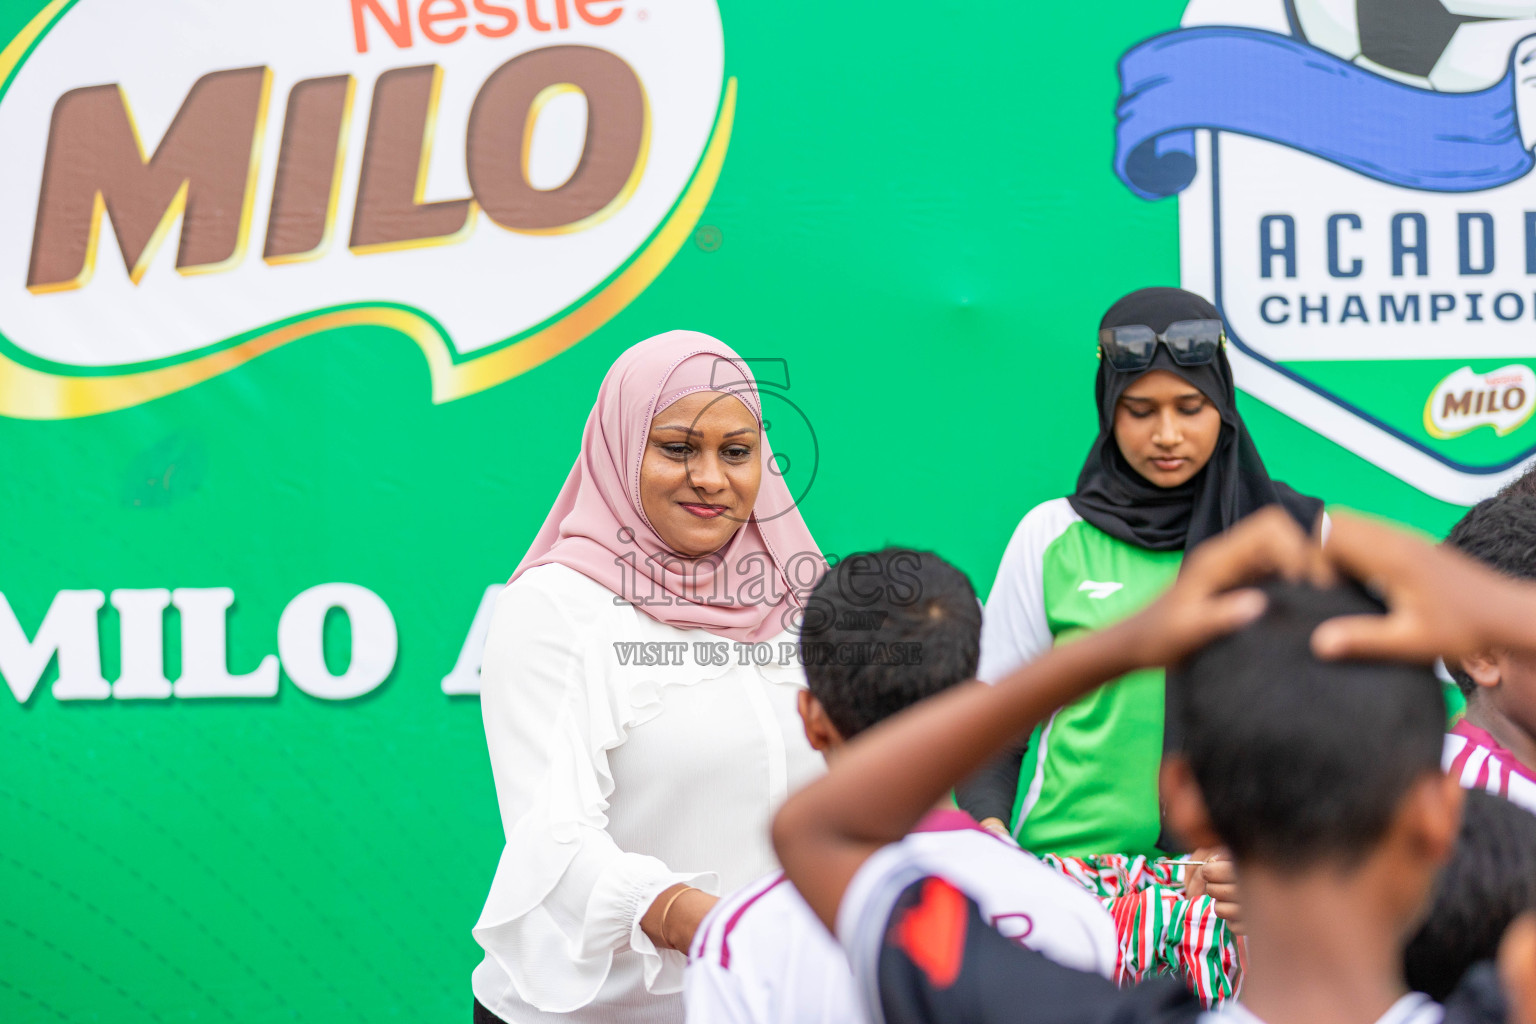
{"x":1172,"y":465}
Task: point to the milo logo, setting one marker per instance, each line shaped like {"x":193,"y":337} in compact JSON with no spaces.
{"x":1465,"y":401}
{"x":188,"y":188}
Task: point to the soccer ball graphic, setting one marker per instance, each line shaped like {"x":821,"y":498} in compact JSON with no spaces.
{"x":1444,"y":45}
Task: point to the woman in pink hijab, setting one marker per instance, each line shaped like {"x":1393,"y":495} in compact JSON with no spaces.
{"x":639,"y":688}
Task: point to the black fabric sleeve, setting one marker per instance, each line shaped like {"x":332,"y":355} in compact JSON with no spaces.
{"x":943,"y":963}
{"x":992,"y":791}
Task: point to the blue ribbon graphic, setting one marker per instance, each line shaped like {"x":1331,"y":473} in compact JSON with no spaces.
{"x":1273,"y":87}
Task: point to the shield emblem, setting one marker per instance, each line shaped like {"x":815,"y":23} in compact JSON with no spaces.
{"x":1355,"y":195}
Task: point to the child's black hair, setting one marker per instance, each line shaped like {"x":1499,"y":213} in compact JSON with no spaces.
{"x":1489,"y":882}
{"x":885,"y":629}
{"x":1302,"y":760}
{"x":1525,"y":483}
{"x":1501,"y":533}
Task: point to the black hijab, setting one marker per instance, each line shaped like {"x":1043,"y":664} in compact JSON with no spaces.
{"x":1123,"y":503}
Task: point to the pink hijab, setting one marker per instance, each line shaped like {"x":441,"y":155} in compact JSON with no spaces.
{"x":748,"y":590}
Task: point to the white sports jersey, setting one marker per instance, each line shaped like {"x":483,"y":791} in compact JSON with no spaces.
{"x":762,"y":956}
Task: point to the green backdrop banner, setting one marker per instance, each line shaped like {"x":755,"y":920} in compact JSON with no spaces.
{"x":303,"y":305}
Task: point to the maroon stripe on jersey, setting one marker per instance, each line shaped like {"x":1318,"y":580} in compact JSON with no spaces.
{"x":949,"y":821}
{"x":1482,"y":772}
{"x":1459,"y":762}
{"x":701,"y":937}
{"x":725,"y":936}
{"x":1505,"y":762}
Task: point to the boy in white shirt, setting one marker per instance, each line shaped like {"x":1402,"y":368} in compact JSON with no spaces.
{"x":1320,"y":775}
{"x":882,"y":631}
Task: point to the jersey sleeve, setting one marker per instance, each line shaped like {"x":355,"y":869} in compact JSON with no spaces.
{"x":719,"y":988}
{"x":922,"y":949}
{"x":1015,"y":629}
{"x":939,"y":962}
{"x":711,"y":993}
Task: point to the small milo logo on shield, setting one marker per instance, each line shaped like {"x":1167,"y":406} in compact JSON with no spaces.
{"x":1354,"y":189}
{"x":1465,"y":401}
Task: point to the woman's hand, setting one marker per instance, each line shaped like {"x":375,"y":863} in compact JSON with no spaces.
{"x":675,"y":915}
{"x":997,"y":828}
{"x":1194,"y":878}
{"x":1216,"y":877}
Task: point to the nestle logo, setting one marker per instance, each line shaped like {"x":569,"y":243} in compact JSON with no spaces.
{"x":448,"y":21}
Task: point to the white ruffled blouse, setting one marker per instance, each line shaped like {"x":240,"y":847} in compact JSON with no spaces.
{"x":616,"y":780}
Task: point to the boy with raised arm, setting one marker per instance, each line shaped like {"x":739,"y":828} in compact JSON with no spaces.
{"x":1321,"y":777}
{"x":882,"y":631}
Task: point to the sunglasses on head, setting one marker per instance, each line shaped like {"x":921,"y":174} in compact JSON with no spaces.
{"x":1190,"y":343}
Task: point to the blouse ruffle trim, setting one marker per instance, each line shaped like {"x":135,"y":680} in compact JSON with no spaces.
{"x":614,"y":699}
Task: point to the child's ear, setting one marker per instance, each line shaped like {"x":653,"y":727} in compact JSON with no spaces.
{"x":1430,"y":815}
{"x":1437,"y":802}
{"x":1486,"y":668}
{"x":820,"y":733}
{"x":1184,"y":805}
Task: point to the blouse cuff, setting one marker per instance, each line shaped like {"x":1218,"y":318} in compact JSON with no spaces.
{"x":619,"y":900}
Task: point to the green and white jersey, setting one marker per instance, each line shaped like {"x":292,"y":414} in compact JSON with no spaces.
{"x":1088,"y":784}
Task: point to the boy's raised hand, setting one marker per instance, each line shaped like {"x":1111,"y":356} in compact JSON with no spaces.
{"x":1439,"y":601}
{"x":1210,"y":599}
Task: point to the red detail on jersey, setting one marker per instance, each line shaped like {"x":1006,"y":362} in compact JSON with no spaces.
{"x":725,"y":936}
{"x":932,"y":934}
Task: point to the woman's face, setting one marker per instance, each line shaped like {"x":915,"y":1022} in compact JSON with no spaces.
{"x":701,"y":472}
{"x":1166,"y":428}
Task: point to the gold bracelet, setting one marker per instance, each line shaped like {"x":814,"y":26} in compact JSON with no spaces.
{"x":662,"y":928}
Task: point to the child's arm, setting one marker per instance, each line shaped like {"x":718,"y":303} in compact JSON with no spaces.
{"x":1440,"y":602}
{"x":887,"y":778}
